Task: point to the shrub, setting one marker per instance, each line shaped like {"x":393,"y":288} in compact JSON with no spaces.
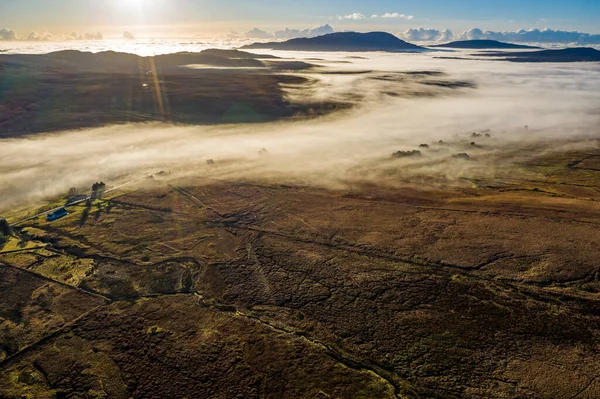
{"x":405,"y":154}
{"x":5,"y":228}
{"x":463,"y":155}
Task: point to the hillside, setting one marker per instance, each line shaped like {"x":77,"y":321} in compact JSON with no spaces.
{"x":483,"y":44}
{"x":204,"y":287}
{"x":105,"y":61}
{"x":75,"y":90}
{"x":342,"y":41}
{"x":578,"y":54}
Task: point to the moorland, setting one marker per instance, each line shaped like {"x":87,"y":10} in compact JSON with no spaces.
{"x":486,"y":287}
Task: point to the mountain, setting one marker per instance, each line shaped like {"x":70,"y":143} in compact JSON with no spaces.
{"x":578,"y":54}
{"x":483,"y":44}
{"x":342,"y":41}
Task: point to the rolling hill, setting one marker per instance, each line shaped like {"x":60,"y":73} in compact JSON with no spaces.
{"x":73,"y":60}
{"x":483,"y":44}
{"x":577,"y":54}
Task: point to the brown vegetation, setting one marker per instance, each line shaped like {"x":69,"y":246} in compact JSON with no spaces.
{"x":221,"y":289}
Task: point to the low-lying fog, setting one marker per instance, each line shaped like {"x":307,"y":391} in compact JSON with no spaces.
{"x":554,"y":101}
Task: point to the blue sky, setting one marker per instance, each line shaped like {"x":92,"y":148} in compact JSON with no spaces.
{"x":239,"y":15}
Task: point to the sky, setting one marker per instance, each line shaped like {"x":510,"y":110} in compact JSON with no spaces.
{"x":184,"y":17}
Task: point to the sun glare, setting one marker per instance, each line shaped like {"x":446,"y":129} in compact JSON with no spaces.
{"x":135,"y":12}
{"x":132,"y":6}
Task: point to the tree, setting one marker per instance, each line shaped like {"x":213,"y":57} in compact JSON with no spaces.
{"x":5,"y":228}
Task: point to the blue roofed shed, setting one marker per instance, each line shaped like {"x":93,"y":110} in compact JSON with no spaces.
{"x":61,"y":213}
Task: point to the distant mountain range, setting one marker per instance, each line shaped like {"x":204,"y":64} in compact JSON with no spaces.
{"x":483,"y":44}
{"x":578,"y":54}
{"x":343,"y":41}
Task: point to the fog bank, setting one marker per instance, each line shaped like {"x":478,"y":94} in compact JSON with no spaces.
{"x":555,"y":102}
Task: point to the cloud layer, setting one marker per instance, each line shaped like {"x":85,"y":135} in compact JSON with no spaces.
{"x":556,"y":101}
{"x":10,"y":35}
{"x":533,"y":35}
{"x":288,"y":33}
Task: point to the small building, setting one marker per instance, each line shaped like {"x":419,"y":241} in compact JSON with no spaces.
{"x":58,"y":214}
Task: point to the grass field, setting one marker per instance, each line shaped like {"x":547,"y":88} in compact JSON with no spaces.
{"x":483,"y":289}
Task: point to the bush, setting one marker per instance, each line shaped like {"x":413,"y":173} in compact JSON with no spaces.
{"x":463,"y":155}
{"x":5,"y":228}
{"x":405,"y":154}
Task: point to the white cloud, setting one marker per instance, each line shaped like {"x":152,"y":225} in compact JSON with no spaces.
{"x":84,"y":36}
{"x":128,"y":35}
{"x":446,"y":35}
{"x":533,"y":35}
{"x":258,"y":34}
{"x":93,"y":36}
{"x":394,"y":15}
{"x":354,"y":16}
{"x":37,"y":37}
{"x":288,"y":33}
{"x":426,"y":35}
{"x":322,"y":30}
{"x":8,"y":34}
{"x":292,"y":33}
